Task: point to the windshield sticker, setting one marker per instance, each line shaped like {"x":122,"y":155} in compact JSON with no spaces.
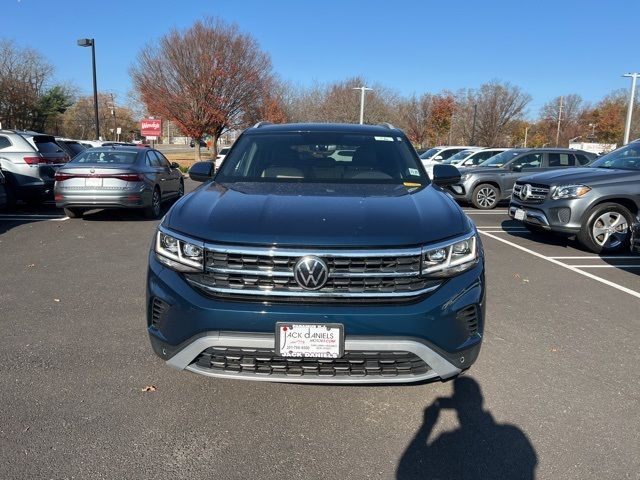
{"x":384,"y":139}
{"x":414,"y":172}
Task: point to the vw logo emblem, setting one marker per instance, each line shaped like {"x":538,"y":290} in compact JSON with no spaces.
{"x":525,"y":192}
{"x":311,"y":273}
{"x":92,"y":171}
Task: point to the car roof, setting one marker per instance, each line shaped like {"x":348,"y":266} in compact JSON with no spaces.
{"x":120,"y":148}
{"x":262,"y":128}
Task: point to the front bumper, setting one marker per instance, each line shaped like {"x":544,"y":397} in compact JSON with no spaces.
{"x":430,"y":328}
{"x":562,"y":216}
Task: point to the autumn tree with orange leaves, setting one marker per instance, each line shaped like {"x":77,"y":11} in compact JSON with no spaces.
{"x":207,"y":79}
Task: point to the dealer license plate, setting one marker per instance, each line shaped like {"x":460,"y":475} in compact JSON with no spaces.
{"x":325,"y":340}
{"x":520,"y":214}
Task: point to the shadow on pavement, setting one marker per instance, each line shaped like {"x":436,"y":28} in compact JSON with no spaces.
{"x":24,"y":213}
{"x":479,"y":449}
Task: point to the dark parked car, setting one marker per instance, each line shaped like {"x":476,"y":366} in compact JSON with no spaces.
{"x":71,"y":147}
{"x":292,"y":266}
{"x":598,"y":204}
{"x":3,"y":192}
{"x":485,"y":185}
{"x":192,"y":144}
{"x":635,"y":236}
{"x":29,"y":161}
{"x":117,"y":177}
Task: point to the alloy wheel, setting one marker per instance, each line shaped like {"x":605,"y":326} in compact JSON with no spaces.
{"x":610,"y":230}
{"x":486,"y":197}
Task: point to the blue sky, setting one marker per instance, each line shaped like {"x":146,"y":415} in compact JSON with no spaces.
{"x":546,"y":47}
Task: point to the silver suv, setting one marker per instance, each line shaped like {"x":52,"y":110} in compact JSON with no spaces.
{"x":29,"y":161}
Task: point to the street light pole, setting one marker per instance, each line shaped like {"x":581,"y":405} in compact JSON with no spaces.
{"x":632,"y":97}
{"x":362,"y":90}
{"x":91,"y":42}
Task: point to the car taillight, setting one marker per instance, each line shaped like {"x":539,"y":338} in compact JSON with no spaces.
{"x":61,"y":177}
{"x":34,"y":160}
{"x":127,"y":177}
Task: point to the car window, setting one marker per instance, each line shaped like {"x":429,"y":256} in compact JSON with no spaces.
{"x":430,"y":153}
{"x":561,"y":160}
{"x":449,"y":152}
{"x":310,"y":157}
{"x":152,"y":160}
{"x":532,"y":160}
{"x":4,"y":142}
{"x":163,"y":162}
{"x":582,"y":159}
{"x":75,"y":147}
{"x":46,"y":144}
{"x":480,"y":157}
{"x":107,"y":157}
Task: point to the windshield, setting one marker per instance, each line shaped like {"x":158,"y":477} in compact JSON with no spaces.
{"x":430,"y":153}
{"x":461,"y":155}
{"x":625,"y":158}
{"x":320,"y":157}
{"x":500,"y":159}
{"x":108,"y":157}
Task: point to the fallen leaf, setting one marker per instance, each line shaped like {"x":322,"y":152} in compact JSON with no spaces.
{"x":57,"y":300}
{"x":149,"y":388}
{"x":31,"y":265}
{"x":553,"y":349}
{"x":525,"y":280}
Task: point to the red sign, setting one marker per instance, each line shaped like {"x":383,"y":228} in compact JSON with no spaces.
{"x":151,"y":127}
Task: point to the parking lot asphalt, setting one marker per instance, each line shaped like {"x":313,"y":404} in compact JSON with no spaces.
{"x":555,"y":393}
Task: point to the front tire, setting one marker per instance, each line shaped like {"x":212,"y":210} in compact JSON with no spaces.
{"x":153,"y":210}
{"x":485,"y":196}
{"x":606,"y":229}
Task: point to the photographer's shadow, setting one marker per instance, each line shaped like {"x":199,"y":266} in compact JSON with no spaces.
{"x":479,"y":449}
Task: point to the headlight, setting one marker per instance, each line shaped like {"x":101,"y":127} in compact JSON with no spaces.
{"x":179,"y":254}
{"x":570,"y":191}
{"x":451,"y":258}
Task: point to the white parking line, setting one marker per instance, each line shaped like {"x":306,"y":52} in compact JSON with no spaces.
{"x":48,"y":218}
{"x":568,"y":267}
{"x":472,"y":212}
{"x":606,"y":266}
{"x":595,"y":257}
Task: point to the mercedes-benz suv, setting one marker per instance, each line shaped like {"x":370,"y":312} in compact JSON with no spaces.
{"x":291,"y":265}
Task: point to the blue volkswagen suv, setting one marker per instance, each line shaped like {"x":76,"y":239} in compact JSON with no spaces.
{"x":318,"y":253}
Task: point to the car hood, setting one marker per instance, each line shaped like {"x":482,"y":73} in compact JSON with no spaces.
{"x":487,"y":170}
{"x":317,"y":215}
{"x":588,"y":176}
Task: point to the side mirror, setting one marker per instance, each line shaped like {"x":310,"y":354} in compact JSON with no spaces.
{"x":201,"y":171}
{"x":445,"y":175}
{"x":175,"y":165}
{"x":517,"y":168}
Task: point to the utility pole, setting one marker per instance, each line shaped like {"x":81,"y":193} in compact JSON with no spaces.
{"x":632,"y":96}
{"x":526,"y":131}
{"x":559,"y":118}
{"x":113,"y":112}
{"x":362,"y":90}
{"x":473,"y":129}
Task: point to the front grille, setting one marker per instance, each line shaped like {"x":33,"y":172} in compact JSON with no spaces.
{"x":537,"y":193}
{"x":352,"y":364}
{"x":469,"y":315}
{"x":268,"y":274}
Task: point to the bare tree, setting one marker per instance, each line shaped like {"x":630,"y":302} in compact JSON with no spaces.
{"x":204,"y":78}
{"x":24,"y":75}
{"x":412,"y":116}
{"x":78,"y":120}
{"x":497,"y":106}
